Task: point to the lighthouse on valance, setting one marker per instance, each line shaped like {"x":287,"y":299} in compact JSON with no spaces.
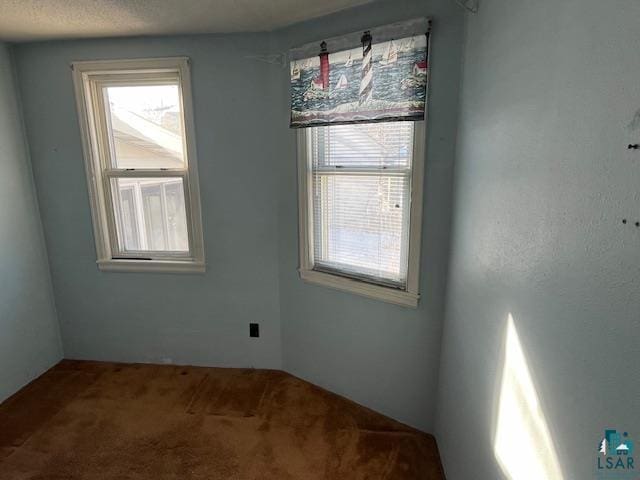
{"x":324,"y":66}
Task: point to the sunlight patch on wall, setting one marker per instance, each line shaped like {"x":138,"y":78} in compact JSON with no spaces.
{"x":522,"y":444}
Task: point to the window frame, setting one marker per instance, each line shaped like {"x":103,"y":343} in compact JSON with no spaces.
{"x":408,"y":296}
{"x":90,"y":77}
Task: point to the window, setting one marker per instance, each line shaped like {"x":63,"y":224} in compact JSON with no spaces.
{"x":360,"y":208}
{"x":137,"y":126}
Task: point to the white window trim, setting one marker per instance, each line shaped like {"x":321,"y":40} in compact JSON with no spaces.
{"x":409,"y":296}
{"x":100,"y":205}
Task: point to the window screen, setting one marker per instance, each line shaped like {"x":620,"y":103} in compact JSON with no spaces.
{"x":361,"y":182}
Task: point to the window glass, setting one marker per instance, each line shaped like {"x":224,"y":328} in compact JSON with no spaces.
{"x":385,"y":145}
{"x":153,"y":217}
{"x":361,"y":180}
{"x":146,"y":126}
{"x":176,"y":217}
{"x":129,"y":228}
{"x":152,"y":214}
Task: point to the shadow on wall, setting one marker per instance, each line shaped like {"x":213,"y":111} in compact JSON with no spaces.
{"x":522,"y":444}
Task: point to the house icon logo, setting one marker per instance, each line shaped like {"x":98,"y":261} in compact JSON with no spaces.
{"x":615,"y":455}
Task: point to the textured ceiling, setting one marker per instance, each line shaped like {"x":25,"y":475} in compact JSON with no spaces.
{"x":23,"y":20}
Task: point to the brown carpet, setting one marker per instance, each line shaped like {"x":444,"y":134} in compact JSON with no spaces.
{"x":91,"y":420}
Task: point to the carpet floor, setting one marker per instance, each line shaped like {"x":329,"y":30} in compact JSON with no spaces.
{"x":94,"y":420}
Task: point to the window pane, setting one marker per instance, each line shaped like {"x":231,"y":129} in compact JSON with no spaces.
{"x":177,"y":217}
{"x":361,"y":219}
{"x":128,"y":218}
{"x":363,"y":145}
{"x":361,"y":225}
{"x":151,"y":214}
{"x":146,"y":128}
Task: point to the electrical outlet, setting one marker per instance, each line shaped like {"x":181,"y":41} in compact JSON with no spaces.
{"x":254,"y":329}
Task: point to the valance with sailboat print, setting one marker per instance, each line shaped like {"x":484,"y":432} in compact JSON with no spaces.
{"x":382,"y":79}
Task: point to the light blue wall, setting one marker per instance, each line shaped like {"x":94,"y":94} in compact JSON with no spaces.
{"x":194,"y":319}
{"x":543,"y":181}
{"x":29,"y":337}
{"x":378,"y":354}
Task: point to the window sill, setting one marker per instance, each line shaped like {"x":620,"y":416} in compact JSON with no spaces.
{"x":377,"y":292}
{"x":151,"y":266}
